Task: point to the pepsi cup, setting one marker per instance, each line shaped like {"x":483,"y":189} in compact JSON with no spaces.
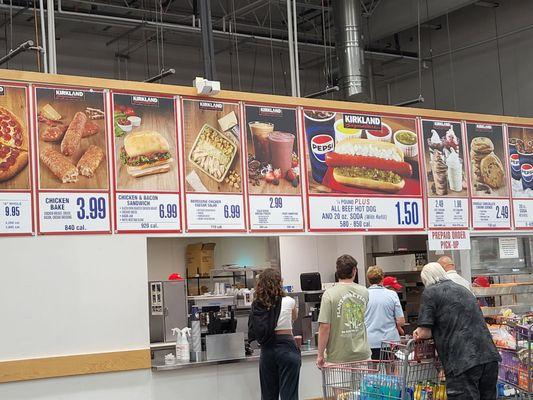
{"x":527,"y":176}
{"x":320,"y":141}
{"x":515,"y":166}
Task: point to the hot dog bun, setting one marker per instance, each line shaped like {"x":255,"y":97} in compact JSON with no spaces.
{"x":365,"y":147}
{"x":367,"y":183}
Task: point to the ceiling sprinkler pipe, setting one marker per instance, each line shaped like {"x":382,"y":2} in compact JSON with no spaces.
{"x":161,"y":75}
{"x":13,"y":53}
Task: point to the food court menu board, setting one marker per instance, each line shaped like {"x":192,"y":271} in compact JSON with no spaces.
{"x":273,"y":169}
{"x":146,"y":164}
{"x":444,"y":158}
{"x":73,"y":169}
{"x":213,"y":159}
{"x":16,"y":212}
{"x":363,"y":172}
{"x":488,"y":176}
{"x":520,"y":144}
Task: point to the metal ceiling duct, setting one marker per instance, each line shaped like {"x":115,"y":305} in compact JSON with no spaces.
{"x":352,"y":78}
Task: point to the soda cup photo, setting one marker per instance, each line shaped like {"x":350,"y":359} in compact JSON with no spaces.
{"x":515,"y":166}
{"x":320,"y":141}
{"x":527,"y":176}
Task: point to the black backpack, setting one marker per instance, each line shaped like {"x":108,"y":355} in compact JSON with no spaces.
{"x":262,"y":322}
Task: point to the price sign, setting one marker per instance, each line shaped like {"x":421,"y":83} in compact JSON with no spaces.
{"x":523,"y":213}
{"x":15,"y":213}
{"x":447,"y":213}
{"x":147,"y":189}
{"x":489,"y":213}
{"x":147,"y":212}
{"x":215,"y":212}
{"x":74,"y":213}
{"x":274,"y":169}
{"x":366,"y":214}
{"x":276,"y":213}
{"x":449,"y":240}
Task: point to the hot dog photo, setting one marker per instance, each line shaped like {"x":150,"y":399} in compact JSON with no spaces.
{"x":361,"y":154}
{"x":71,"y":138}
{"x":144,"y":131}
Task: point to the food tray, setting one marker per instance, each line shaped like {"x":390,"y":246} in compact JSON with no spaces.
{"x":229,"y":157}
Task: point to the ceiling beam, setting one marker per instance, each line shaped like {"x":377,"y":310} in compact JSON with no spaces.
{"x":393,"y":16}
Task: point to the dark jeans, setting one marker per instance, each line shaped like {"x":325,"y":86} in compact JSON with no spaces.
{"x":279,"y":369}
{"x":477,"y":383}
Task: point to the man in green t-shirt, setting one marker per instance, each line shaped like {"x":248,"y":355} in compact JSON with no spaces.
{"x":342,"y":331}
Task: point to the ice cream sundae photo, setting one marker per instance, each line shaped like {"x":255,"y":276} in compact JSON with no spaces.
{"x":444,"y":163}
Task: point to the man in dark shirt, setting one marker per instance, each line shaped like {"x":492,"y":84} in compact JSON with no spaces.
{"x":451,"y":315}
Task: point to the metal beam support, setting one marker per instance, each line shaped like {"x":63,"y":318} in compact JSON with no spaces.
{"x":128,"y":32}
{"x":295,"y":47}
{"x":208,"y":46}
{"x":292,"y":64}
{"x":43,"y":36}
{"x":52,"y":61}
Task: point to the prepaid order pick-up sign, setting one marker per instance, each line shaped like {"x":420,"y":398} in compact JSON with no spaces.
{"x":363,"y":172}
{"x":73,"y":168}
{"x":449,"y":240}
{"x":146,"y":163}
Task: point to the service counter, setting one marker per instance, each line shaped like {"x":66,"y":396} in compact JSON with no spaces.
{"x":235,"y":379}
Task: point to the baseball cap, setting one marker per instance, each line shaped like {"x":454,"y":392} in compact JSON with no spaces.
{"x":482,"y":281}
{"x":175,"y":277}
{"x":392,"y":282}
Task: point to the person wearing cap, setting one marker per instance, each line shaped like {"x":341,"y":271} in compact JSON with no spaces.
{"x":483,"y":282}
{"x":390,"y":282}
{"x":384,"y":315}
{"x":449,"y":266}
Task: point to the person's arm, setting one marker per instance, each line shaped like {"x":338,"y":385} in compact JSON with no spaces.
{"x":426,"y":317}
{"x":324,"y":328}
{"x":422,"y":333}
{"x":398,"y":314}
{"x":295,"y":311}
{"x":323,"y":338}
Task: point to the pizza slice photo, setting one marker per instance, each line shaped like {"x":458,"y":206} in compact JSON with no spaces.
{"x":13,"y":145}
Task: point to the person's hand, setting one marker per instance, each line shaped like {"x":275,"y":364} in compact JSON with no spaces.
{"x":416,"y":334}
{"x":320,"y":362}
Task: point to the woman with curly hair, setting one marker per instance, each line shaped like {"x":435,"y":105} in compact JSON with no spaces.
{"x":280,"y":361}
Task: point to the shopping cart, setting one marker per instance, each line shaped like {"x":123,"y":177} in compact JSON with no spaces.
{"x":516,"y":368}
{"x":407,"y":370}
{"x":345,"y":381}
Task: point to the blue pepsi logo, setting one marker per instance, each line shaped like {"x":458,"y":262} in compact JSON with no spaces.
{"x":320,"y":145}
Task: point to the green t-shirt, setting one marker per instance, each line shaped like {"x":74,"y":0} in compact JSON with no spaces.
{"x":343,"y":306}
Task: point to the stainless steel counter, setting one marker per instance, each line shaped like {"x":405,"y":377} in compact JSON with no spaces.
{"x":306,"y":352}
